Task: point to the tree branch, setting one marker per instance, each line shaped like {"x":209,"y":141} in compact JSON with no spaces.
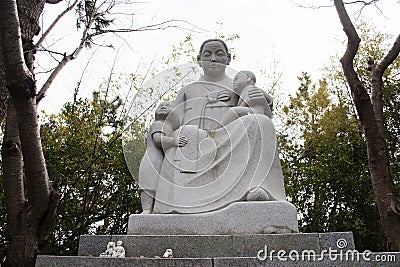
{"x":389,"y":58}
{"x":46,"y":33}
{"x":14,"y":64}
{"x":53,"y":1}
{"x":351,"y":51}
{"x":64,"y":62}
{"x":377,"y":84}
{"x":153,"y":27}
{"x":51,"y":52}
{"x":366,"y":3}
{"x":94,"y":21}
{"x":52,"y":76}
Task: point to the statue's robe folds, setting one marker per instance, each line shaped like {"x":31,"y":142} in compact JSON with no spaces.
{"x":219,"y":165}
{"x":150,"y":165}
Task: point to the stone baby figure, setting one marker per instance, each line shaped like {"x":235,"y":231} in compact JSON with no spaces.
{"x":158,"y":140}
{"x":109,"y":252}
{"x":250,"y":100}
{"x":119,"y":250}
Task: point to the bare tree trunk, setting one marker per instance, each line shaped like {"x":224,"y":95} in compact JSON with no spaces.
{"x":3,"y":88}
{"x":28,"y":219}
{"x":13,"y":177}
{"x":370,"y":112}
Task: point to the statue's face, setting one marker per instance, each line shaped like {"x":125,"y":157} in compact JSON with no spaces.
{"x":213,"y":59}
{"x":164,"y":108}
{"x":240,"y":81}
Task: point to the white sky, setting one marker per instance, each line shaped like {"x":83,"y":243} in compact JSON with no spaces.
{"x":298,"y":39}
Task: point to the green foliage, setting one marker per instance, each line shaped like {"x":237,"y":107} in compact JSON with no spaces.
{"x":94,"y":16}
{"x":84,"y":154}
{"x":391,"y":110}
{"x":323,"y":148}
{"x":372,"y":49}
{"x":326,"y":167}
{"x":184,"y":50}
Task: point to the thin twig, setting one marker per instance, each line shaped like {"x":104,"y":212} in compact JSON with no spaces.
{"x":153,"y":27}
{"x":51,"y":51}
{"x":64,"y":62}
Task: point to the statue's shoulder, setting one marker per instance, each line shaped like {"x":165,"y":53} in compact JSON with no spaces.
{"x":157,"y":126}
{"x":190,"y":86}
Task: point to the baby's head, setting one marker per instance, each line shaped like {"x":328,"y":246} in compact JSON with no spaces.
{"x":111,"y":245}
{"x":163,"y":110}
{"x":242,"y":79}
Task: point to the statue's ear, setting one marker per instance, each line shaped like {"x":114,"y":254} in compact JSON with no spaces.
{"x":198,"y":60}
{"x":229,"y":59}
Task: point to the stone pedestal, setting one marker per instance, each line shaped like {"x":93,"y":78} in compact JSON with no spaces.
{"x":224,"y":250}
{"x":54,"y":261}
{"x":239,"y":218}
{"x":238,"y":235}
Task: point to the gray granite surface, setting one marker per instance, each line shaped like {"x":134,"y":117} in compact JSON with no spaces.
{"x":254,"y":217}
{"x":210,"y":246}
{"x":384,"y":259}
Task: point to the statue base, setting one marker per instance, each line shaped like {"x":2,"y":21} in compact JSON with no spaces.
{"x":230,"y":244}
{"x":247,"y":217}
{"x":320,"y":249}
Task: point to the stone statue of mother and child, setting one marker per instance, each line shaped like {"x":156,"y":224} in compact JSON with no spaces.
{"x":214,"y":145}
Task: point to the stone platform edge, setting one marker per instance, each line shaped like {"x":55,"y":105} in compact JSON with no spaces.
{"x":384,"y":259}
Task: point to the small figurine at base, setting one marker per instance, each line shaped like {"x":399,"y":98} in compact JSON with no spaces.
{"x":109,"y":252}
{"x":119,"y":251}
{"x":114,"y":251}
{"x":168,"y":253}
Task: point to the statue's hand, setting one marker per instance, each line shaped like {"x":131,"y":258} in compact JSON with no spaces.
{"x":212,"y":97}
{"x":255,"y":92}
{"x":182,"y":141}
{"x":224,"y":96}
